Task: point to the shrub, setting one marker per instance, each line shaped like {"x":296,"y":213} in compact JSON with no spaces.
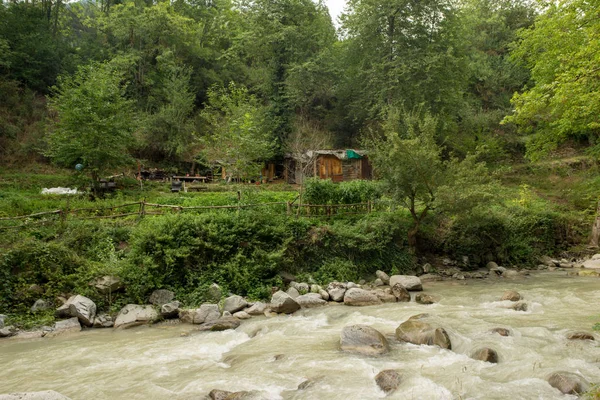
{"x":324,"y":191}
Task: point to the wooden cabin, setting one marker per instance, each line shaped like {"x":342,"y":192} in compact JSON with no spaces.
{"x":337,"y":165}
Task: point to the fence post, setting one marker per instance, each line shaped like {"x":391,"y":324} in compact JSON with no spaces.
{"x":369,"y":206}
{"x":289,"y":208}
{"x":143,"y":208}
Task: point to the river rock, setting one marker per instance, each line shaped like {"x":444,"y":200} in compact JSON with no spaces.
{"x":568,"y":383}
{"x":388,"y":380}
{"x":364,"y":340}
{"x":40,"y":305}
{"x":324,"y":294}
{"x":214,"y":293}
{"x":593,"y":263}
{"x":410,"y":283}
{"x":64,"y":311}
{"x":170,"y":310}
{"x":310,"y":300}
{"x":257,"y":308}
{"x":400,"y":293}
{"x":207,"y":313}
{"x":485,"y":354}
{"x":64,"y":327}
{"x":501,"y":331}
{"x":108,"y":284}
{"x":293,"y":292}
{"x":45,"y":395}
{"x":511,"y":295}
{"x":423,"y":298}
{"x":84,"y":309}
{"x":134,"y":314}
{"x":360,"y":297}
{"x":378,"y":282}
{"x":385,"y":278}
{"x":519,"y":306}
{"x":281,"y":302}
{"x":161,"y":296}
{"x":234,"y":303}
{"x":415,"y":330}
{"x":336,"y":291}
{"x":222,"y":324}
{"x":8,"y":331}
{"x":511,"y":273}
{"x":580,"y":336}
{"x":302,"y":287}
{"x":242,"y":315}
{"x":217,"y":394}
{"x":588,"y":272}
{"x":103,"y":321}
{"x":385,"y":296}
{"x":491,"y":265}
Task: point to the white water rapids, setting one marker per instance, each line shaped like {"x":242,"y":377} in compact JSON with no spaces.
{"x":275,"y":355}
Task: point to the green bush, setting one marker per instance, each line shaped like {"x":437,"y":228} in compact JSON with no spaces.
{"x":324,"y":191}
{"x":507,"y":235}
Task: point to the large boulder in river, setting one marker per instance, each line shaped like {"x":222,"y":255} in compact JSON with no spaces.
{"x":385,"y":278}
{"x":206,"y":313}
{"x":501,"y":331}
{"x":64,"y":311}
{"x":281,"y":302}
{"x":410,"y":283}
{"x":257,"y":308}
{"x":161,"y":296}
{"x":568,"y":383}
{"x":221,"y":324}
{"x":400,"y":293}
{"x":360,"y":297}
{"x":417,"y":331}
{"x":234,"y":304}
{"x":66,"y":326}
{"x":133,"y":315}
{"x":485,"y":354}
{"x":388,"y":380}
{"x":336,"y":291}
{"x":423,"y":298}
{"x":364,"y":340}
{"x":385,"y":296}
{"x":45,"y":395}
{"x":511,"y":295}
{"x":170,"y":310}
{"x":83,"y":308}
{"x":310,"y":300}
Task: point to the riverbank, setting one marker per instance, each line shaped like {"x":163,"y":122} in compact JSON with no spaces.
{"x":275,"y":355}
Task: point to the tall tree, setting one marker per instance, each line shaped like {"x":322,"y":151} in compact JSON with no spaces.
{"x":238,"y":135}
{"x":94,"y":121}
{"x":563,"y":52}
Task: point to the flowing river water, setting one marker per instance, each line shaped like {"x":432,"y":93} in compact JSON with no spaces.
{"x":275,"y":355}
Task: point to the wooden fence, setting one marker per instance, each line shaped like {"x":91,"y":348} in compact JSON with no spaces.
{"x":140,"y":209}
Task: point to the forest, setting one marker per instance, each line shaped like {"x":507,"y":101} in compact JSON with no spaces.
{"x":185,"y":83}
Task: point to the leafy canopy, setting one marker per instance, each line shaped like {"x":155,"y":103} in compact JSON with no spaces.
{"x":239,"y":137}
{"x":94,"y":121}
{"x":562,"y":50}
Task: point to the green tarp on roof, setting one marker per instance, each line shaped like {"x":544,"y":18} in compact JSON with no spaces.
{"x":352,"y":154}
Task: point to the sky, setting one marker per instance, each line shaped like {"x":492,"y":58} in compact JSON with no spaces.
{"x":335,"y":9}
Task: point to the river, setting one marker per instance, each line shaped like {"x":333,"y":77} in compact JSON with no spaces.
{"x":275,"y":355}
